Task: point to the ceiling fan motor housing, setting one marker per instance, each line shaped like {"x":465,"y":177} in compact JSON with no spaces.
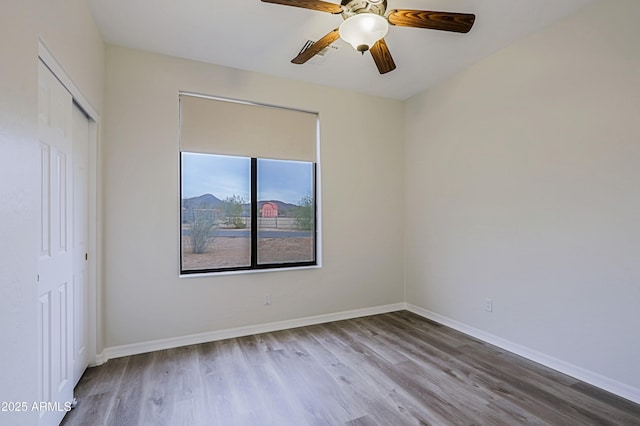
{"x":354,"y":7}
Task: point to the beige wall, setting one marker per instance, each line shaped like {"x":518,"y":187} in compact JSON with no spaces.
{"x":361,"y":154}
{"x":70,"y":33}
{"x":522,"y":185}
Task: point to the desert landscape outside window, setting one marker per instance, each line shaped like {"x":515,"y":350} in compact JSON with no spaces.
{"x":240,"y":213}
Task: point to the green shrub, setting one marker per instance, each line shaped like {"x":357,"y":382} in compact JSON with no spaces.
{"x":201,"y":227}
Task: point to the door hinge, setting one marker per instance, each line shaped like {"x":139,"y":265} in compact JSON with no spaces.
{"x":38,"y":277}
{"x":86,"y":256}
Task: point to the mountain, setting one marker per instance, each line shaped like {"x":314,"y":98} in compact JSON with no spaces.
{"x":203,"y":201}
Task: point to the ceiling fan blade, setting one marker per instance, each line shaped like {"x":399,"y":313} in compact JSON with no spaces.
{"x":316,"y":47}
{"x":382,"y":57}
{"x":445,"y":21}
{"x":322,"y":6}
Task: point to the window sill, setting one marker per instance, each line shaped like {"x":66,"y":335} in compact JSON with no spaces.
{"x":248,"y":271}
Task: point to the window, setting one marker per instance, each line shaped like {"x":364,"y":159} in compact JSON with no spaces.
{"x":241,"y":209}
{"x":286,"y":212}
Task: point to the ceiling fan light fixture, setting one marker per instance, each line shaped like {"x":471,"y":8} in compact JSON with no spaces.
{"x":363,"y":30}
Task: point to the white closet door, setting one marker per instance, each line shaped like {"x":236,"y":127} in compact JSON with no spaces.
{"x":55,"y":247}
{"x":80,"y":142}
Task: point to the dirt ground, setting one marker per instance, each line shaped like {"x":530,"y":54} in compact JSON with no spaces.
{"x":236,"y":251}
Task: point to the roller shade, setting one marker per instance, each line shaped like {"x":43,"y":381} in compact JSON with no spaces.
{"x":215,"y":126}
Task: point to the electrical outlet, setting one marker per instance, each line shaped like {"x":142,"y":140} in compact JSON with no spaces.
{"x":267,"y":299}
{"x":488,"y":304}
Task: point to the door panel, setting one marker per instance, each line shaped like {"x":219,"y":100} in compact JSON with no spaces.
{"x":80,"y":143}
{"x":45,"y":195}
{"x":44,"y":346}
{"x":55,"y":261}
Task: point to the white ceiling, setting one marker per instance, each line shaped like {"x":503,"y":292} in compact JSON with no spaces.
{"x":262,"y":37}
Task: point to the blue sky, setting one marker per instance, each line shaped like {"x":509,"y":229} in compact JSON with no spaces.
{"x":224,"y":176}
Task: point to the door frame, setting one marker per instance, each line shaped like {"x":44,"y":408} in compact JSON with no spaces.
{"x":94,"y":267}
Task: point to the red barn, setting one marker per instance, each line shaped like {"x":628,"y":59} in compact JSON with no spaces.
{"x":269,"y":210}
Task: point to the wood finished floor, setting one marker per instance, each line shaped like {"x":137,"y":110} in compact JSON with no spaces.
{"x":390,"y":369}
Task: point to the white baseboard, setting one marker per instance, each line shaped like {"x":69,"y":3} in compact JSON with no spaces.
{"x":193,"y":339}
{"x":595,"y":379}
{"x":100,"y":359}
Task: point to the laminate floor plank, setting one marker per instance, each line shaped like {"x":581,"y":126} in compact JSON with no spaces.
{"x":90,"y":411}
{"x":600,"y":397}
{"x":497,"y":387}
{"x":446,"y":337}
{"x":319,"y":380}
{"x":362,"y":421}
{"x":455,"y":376}
{"x":393,"y":369}
{"x":98,"y":386}
{"x":362,"y":392}
{"x":158,"y":389}
{"x":245,"y":401}
{"x":414,"y":395}
{"x":517,"y":375}
{"x":549,"y":394}
{"x":103,"y":379}
{"x":188,"y":412}
{"x":273,"y":390}
{"x":370,"y":337}
{"x":528,"y":367}
{"x":440,"y":385}
{"x":390,"y":394}
{"x":217,"y":393}
{"x":128,"y":402}
{"x":315,"y":390}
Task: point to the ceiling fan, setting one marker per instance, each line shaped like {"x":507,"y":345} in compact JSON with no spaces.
{"x":366,"y":22}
